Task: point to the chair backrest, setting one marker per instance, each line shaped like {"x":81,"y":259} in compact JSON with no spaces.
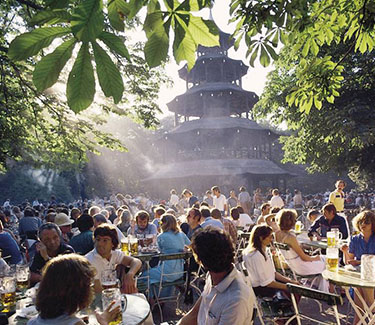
{"x":175,"y":256}
{"x":281,"y":246}
{"x":330,"y":298}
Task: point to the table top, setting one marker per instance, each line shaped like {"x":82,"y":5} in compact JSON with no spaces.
{"x":136,"y":312}
{"x":347,"y":278}
{"x":305,"y":240}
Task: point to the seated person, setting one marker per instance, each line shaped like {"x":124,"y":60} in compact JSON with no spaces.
{"x":265,"y":210}
{"x":83,"y":242}
{"x":327,"y":222}
{"x":296,"y":258}
{"x":29,"y":224}
{"x":143,"y":225}
{"x":9,"y":247}
{"x":106,"y":256}
{"x":258,"y":261}
{"x":64,"y":290}
{"x":99,"y":219}
{"x":65,"y":225}
{"x":170,"y":241}
{"x":363,"y":243}
{"x":49,"y":246}
{"x":226,"y":299}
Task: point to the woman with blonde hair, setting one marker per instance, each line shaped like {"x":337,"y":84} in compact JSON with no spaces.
{"x":297,"y":259}
{"x":363,"y":243}
{"x":170,"y":241}
{"x":66,"y":289}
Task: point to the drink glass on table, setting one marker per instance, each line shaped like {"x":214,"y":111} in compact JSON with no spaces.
{"x":110,"y":295}
{"x":338,"y":234}
{"x":109,"y":279}
{"x":8,"y":292}
{"x":23,"y":275}
{"x":331,"y":239}
{"x":298,"y":227}
{"x":125,"y":245}
{"x":332,"y":259}
{"x":133,"y":246}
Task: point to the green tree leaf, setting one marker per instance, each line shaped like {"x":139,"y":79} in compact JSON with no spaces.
{"x":117,"y":10}
{"x":80,"y":88}
{"x":51,"y":17}
{"x":156,"y":47}
{"x":29,"y":44}
{"x":110,"y":79}
{"x":88,"y":20}
{"x":203,"y":32}
{"x":264,"y":57}
{"x":48,"y":69}
{"x":184,"y":46}
{"x":115,"y":43}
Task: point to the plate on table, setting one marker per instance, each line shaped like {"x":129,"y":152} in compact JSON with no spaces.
{"x":27,"y":312}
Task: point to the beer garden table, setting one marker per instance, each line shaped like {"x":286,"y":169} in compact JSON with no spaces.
{"x":136,"y":312}
{"x":347,"y":279}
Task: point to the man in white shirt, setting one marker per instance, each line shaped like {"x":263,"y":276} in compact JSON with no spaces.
{"x":174,"y":199}
{"x":106,"y":256}
{"x":226,"y":299}
{"x":219,"y":200}
{"x":276,"y":200}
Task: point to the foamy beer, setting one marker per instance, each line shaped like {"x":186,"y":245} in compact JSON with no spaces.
{"x":298,"y":227}
{"x":108,"y":279}
{"x":108,"y":296}
{"x":133,"y":246}
{"x":332,"y":259}
{"x":125,"y":246}
{"x":8,"y":292}
{"x":331,"y":239}
{"x":23,"y":274}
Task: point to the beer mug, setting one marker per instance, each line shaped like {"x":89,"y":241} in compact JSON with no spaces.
{"x":8,"y":292}
{"x":125,"y":245}
{"x":110,"y":295}
{"x":150,"y":238}
{"x":141,"y":240}
{"x":332,"y":259}
{"x":337,"y":233}
{"x":22,"y":274}
{"x":331,"y":239}
{"x":367,"y":267}
{"x":133,"y":246}
{"x":298,"y":227}
{"x":109,"y":279}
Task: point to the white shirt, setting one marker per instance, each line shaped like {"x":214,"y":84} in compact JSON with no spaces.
{"x":219,"y":202}
{"x":261,"y":271}
{"x":174,"y":199}
{"x":229,"y":302}
{"x":100,"y":263}
{"x":245,"y":220}
{"x":276,"y":201}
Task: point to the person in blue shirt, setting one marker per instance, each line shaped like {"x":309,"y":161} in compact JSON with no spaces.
{"x":363,"y":243}
{"x":9,"y":247}
{"x":83,"y":242}
{"x":327,"y":222}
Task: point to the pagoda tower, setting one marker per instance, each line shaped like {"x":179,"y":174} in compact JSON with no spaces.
{"x":215,"y":141}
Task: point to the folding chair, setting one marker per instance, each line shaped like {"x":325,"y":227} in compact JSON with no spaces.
{"x":265,"y":308}
{"x":329,"y":298}
{"x":182,"y":283}
{"x":280,"y":247}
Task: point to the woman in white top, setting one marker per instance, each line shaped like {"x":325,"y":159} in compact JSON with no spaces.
{"x":258,"y":261}
{"x":298,"y":261}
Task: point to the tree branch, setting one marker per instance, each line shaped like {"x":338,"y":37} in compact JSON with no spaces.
{"x":30,"y":4}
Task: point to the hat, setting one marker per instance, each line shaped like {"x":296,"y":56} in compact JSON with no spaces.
{"x":62,"y":219}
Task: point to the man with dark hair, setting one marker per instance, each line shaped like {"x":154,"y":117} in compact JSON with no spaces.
{"x":190,"y":198}
{"x":100,"y":219}
{"x":105,"y":256}
{"x":50,"y":245}
{"x":29,"y":224}
{"x":327,"y":222}
{"x":219,"y":200}
{"x":207,"y":220}
{"x":83,"y":242}
{"x":229,"y":226}
{"x":226,"y":299}
{"x":337,"y":197}
{"x":143,"y":226}
{"x":264,"y":211}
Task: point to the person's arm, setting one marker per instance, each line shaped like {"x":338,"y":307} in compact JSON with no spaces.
{"x":344,"y":229}
{"x":314,"y":227}
{"x":128,"y":280}
{"x":293,"y":243}
{"x":279,"y":277}
{"x":349,"y":257}
{"x":191,"y":318}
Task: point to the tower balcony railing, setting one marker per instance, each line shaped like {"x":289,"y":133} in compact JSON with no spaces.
{"x":224,"y":153}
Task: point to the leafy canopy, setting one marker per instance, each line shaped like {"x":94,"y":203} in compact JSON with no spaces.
{"x":83,"y":25}
{"x":306,"y":27}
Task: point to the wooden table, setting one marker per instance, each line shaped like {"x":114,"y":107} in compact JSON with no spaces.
{"x":347,"y":279}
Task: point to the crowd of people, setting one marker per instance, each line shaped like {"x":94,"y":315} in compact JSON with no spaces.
{"x":85,"y":235}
